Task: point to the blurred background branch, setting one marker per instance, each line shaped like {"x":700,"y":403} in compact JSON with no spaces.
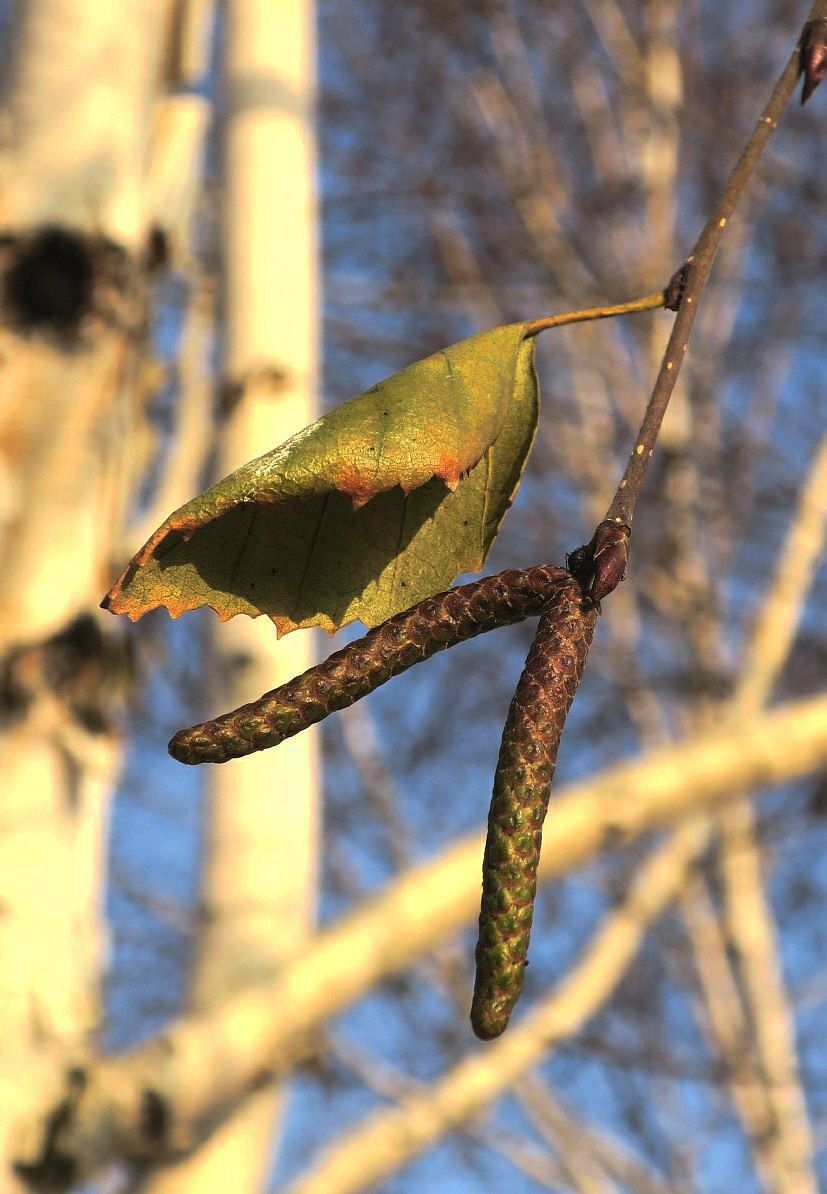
{"x":478,"y":164}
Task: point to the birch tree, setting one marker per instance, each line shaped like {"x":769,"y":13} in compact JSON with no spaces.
{"x":259,"y":867}
{"x":663,"y":954}
{"x":82,"y":175}
{"x":80,"y":197}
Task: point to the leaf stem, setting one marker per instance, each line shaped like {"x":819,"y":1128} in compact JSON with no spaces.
{"x":689,"y":283}
{"x":649,"y":302}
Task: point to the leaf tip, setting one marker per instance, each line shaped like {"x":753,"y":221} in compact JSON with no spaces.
{"x":282,"y":624}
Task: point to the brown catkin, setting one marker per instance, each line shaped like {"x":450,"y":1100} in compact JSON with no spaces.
{"x":419,"y":632}
{"x":525,"y":768}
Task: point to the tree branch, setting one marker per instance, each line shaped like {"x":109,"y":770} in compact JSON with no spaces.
{"x":749,"y":917}
{"x":765,"y":1091}
{"x":649,"y":302}
{"x":194,"y":1073}
{"x":389,"y":1139}
{"x":691,"y":280}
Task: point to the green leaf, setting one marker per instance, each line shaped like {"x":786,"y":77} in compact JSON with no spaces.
{"x":378,"y":504}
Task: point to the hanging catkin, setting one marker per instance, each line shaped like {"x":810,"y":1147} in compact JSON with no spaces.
{"x":432,"y":625}
{"x":525,"y":768}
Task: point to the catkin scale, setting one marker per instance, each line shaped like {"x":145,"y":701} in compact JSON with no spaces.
{"x":404,"y":640}
{"x":528,"y":754}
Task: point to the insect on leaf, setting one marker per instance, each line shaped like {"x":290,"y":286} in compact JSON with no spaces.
{"x":379,"y":504}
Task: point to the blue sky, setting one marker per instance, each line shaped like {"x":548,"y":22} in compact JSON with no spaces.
{"x":439,"y":725}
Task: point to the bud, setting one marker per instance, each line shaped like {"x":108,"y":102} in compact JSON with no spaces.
{"x":813,"y":57}
{"x":600,"y":565}
{"x":676,"y":288}
{"x":610,"y":555}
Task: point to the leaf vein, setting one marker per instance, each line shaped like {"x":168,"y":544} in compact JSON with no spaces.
{"x":310,"y":551}
{"x":242,"y":548}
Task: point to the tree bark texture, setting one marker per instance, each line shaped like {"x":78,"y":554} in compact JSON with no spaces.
{"x":79,"y":168}
{"x":258,"y":880}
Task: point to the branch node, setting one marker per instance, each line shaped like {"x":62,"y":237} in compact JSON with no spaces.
{"x":600,"y":565}
{"x":676,"y":288}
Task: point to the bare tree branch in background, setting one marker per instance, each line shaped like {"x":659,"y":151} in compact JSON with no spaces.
{"x":481,"y":164}
{"x":195,"y":1073}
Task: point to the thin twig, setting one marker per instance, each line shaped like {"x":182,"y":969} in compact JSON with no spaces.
{"x":556,"y":1123}
{"x":390,"y":1083}
{"x":774,"y":1111}
{"x":749,"y":916}
{"x":728,"y":1030}
{"x":649,"y":302}
{"x":776,"y":625}
{"x":691,"y":281}
{"x":388,"y":1139}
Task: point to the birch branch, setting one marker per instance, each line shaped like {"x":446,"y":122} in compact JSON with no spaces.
{"x":193,"y":1074}
{"x":259,"y":855}
{"x":391,"y":1084}
{"x":725,"y":1024}
{"x":550,"y":1116}
{"x":749,"y":917}
{"x":389,"y":1139}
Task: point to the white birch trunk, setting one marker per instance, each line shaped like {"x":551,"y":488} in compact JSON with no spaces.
{"x":83,"y":82}
{"x":259,"y":869}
